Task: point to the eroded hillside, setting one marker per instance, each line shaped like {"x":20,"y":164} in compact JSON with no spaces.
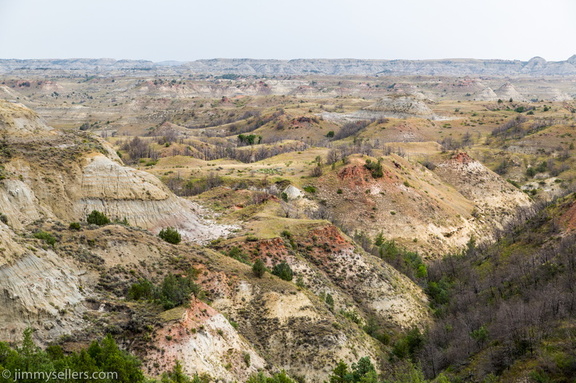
{"x":72,"y":282}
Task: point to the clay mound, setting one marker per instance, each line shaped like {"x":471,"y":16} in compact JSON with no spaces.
{"x":557,"y":95}
{"x":486,"y":94}
{"x":399,"y":106}
{"x":16,"y":121}
{"x":534,"y":64}
{"x":471,"y":85}
{"x":508,"y":91}
{"x":494,"y":197}
{"x":121,"y":192}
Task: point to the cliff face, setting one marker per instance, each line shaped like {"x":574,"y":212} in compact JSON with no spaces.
{"x":448,"y":67}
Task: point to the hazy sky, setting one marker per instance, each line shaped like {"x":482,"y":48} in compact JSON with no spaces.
{"x":371,"y":29}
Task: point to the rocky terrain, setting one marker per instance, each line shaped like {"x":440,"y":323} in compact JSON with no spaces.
{"x":434,"y":211}
{"x":74,"y":285}
{"x":377,"y":190}
{"x":536,"y":66}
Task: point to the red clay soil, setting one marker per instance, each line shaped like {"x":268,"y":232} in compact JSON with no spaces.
{"x":462,"y":158}
{"x":356,"y":175}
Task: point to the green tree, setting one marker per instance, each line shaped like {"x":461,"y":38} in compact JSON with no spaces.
{"x":176,"y":290}
{"x":375,"y":168}
{"x":259,"y":268}
{"x":329,"y":300}
{"x":170,"y":235}
{"x":409,"y":373}
{"x":177,"y":375}
{"x":283,"y":271}
{"x":379,"y":240}
{"x":109,"y":357}
{"x":363,"y":369}
{"x":340,"y":374}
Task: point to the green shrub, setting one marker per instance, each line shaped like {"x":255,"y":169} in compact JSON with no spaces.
{"x":283,"y":271}
{"x":374,"y":329}
{"x":531,"y":172}
{"x":175,"y":290}
{"x":143,"y":289}
{"x":247,"y":359}
{"x":480,"y":335}
{"x":260,"y":377}
{"x":375,"y":168}
{"x":74,"y":226}
{"x":123,"y":221}
{"x":329,"y":300}
{"x":259,"y":268}
{"x":97,"y":218}
{"x":4,"y":218}
{"x":46,"y":237}
{"x":310,"y":189}
{"x":170,"y":235}
{"x":237,"y":253}
{"x":408,"y":345}
{"x":352,"y":315}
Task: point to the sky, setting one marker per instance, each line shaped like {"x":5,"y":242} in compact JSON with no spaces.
{"x":186,"y":30}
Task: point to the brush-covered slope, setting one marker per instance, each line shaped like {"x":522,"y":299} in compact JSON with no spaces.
{"x":505,"y":312}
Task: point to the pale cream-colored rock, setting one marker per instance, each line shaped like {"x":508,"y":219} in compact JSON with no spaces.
{"x":40,"y":291}
{"x":17,"y":121}
{"x":9,"y":248}
{"x":486,"y":94}
{"x":121,"y":192}
{"x":292,"y":192}
{"x":496,"y":201}
{"x":283,"y":307}
{"x":293,"y":332}
{"x":398,"y":106}
{"x":19,"y":203}
{"x":508,"y":91}
{"x":205,"y":342}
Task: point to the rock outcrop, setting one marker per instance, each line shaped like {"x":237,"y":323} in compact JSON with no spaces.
{"x":397,"y":106}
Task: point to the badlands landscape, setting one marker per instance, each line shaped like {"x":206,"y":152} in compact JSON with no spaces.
{"x":290,"y":221}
